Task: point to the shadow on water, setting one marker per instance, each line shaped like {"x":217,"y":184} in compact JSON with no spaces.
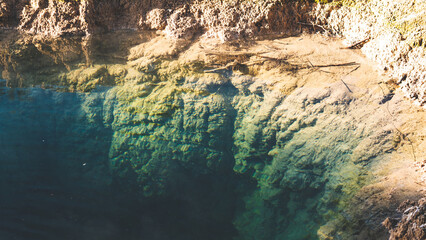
{"x":55,"y":181}
{"x":94,"y":145}
{"x":117,"y":138}
{"x":84,"y":156}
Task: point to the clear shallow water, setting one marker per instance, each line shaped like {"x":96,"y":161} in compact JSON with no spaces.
{"x":95,"y":146}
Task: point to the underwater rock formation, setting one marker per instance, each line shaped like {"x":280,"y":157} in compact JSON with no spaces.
{"x":290,"y":134}
{"x":162,"y":127}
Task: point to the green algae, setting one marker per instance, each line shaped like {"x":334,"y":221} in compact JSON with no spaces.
{"x":298,"y":158}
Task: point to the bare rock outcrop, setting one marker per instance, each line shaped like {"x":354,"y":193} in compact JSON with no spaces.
{"x":181,"y":24}
{"x":180,"y":19}
{"x":388,"y":32}
{"x":54,"y":18}
{"x":235,"y":19}
{"x":57,"y":18}
{"x":10,"y":11}
{"x":228,"y":20}
{"x":155,"y":19}
{"x":412,"y":224}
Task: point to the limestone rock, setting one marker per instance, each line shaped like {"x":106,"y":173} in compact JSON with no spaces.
{"x":390,"y":32}
{"x":156,"y":19}
{"x":412,"y":224}
{"x":54,"y":18}
{"x":10,"y":11}
{"x":181,"y":24}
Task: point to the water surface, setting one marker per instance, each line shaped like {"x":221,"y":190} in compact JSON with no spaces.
{"x":99,"y":144}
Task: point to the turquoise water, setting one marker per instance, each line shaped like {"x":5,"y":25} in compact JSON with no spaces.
{"x":95,"y":146}
{"x":56,"y":182}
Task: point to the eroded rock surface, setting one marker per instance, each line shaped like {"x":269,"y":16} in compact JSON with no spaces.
{"x":390,"y":32}
{"x":54,"y":18}
{"x":226,"y":20}
{"x":412,"y":224}
{"x":309,"y":135}
{"x":10,"y":11}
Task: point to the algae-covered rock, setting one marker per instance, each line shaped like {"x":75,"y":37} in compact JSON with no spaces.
{"x":293,"y":148}
{"x":169,"y":128}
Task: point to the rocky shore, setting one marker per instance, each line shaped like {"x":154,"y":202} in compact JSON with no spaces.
{"x":412,"y":223}
{"x":289,"y":112}
{"x":390,"y":32}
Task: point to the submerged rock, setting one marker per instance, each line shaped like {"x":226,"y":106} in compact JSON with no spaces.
{"x":294,"y":140}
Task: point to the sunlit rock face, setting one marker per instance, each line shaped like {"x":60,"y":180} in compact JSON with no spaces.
{"x":213,"y":142}
{"x":178,"y":18}
{"x":390,"y":32}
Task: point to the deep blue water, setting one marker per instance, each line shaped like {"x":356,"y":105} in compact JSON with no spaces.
{"x":93,"y":146}
{"x":55,"y":182}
